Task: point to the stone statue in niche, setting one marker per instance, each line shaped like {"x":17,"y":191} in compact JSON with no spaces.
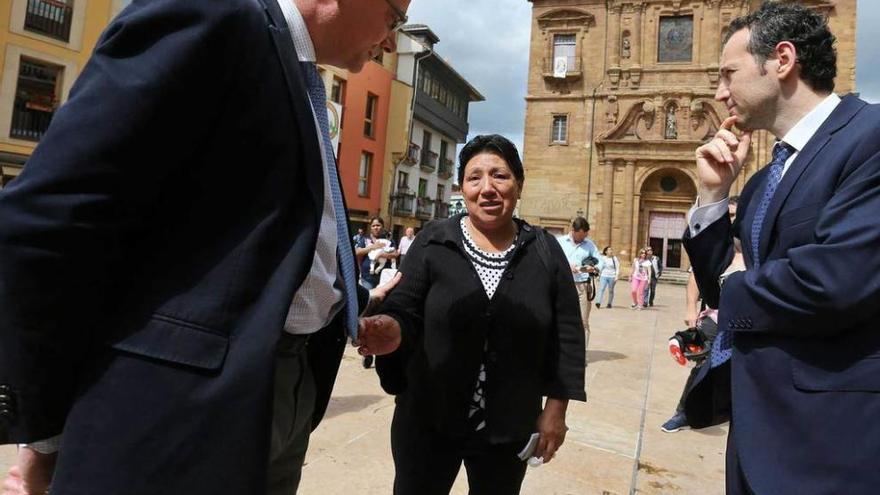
{"x":671,"y":131}
{"x":625,"y":48}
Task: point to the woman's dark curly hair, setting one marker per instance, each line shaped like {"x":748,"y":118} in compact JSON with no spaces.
{"x":808,"y":31}
{"x":497,"y":145}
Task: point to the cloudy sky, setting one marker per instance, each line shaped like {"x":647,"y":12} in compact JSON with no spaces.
{"x":487,"y":41}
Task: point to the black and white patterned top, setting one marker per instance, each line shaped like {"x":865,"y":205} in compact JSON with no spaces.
{"x":490,"y":268}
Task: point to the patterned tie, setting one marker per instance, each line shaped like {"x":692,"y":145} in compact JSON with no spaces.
{"x":781,"y":152}
{"x":344,"y":250}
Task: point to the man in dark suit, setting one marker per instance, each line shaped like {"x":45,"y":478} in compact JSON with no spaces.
{"x":175,"y":291}
{"x":802,"y":317}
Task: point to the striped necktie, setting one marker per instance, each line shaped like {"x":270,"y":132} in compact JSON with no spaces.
{"x":781,"y":153}
{"x":345,"y":253}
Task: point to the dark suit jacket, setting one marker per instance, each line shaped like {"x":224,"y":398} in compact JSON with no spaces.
{"x":532,"y":327}
{"x":805,"y":372}
{"x":150,"y":250}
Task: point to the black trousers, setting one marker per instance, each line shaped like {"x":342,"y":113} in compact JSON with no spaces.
{"x":427,"y":462}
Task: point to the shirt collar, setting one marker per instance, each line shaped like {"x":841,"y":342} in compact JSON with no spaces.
{"x":804,"y":130}
{"x":302,"y":41}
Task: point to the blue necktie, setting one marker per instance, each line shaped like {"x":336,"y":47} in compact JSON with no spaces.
{"x":781,"y":152}
{"x":344,"y":250}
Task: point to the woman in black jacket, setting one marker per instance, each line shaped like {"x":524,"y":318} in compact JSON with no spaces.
{"x":488,"y":320}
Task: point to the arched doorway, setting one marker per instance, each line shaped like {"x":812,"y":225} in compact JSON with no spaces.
{"x":666,"y":196}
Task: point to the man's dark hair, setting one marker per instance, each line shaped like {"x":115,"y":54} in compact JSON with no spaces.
{"x":497,"y":145}
{"x":733,"y":200}
{"x":808,"y":31}
{"x":580,"y":224}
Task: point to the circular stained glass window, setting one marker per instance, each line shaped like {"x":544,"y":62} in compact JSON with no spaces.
{"x":668,"y":184}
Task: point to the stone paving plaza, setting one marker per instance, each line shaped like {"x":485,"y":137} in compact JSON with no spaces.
{"x":614,"y":445}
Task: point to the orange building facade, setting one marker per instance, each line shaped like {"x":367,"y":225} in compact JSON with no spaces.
{"x":362,"y":139}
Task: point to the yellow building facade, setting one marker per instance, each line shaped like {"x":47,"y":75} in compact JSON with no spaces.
{"x":620,"y":94}
{"x":44,"y":45}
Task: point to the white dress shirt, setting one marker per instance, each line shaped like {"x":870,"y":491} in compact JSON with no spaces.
{"x":320,"y":296}
{"x":701,"y":217}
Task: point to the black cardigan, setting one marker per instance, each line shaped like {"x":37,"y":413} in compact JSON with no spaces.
{"x":532,"y":325}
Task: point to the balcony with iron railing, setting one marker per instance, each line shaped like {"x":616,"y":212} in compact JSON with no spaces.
{"x":429,"y":161}
{"x":572,"y":71}
{"x":442,"y":210}
{"x":412,"y":155}
{"x":50,"y":18}
{"x":29,"y":121}
{"x":445,"y":170}
{"x":402,"y":204}
{"x":425,"y":208}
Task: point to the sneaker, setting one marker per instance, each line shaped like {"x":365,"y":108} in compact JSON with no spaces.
{"x":608,"y":306}
{"x":598,"y":305}
{"x":675,"y":423}
{"x":368,"y":362}
{"x":632,"y":306}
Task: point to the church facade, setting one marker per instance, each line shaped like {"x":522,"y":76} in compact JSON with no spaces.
{"x":620,"y":94}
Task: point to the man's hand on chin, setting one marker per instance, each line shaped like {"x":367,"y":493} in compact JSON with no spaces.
{"x":31,"y":475}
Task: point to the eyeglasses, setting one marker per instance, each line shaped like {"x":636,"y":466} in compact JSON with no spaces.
{"x":400,"y":17}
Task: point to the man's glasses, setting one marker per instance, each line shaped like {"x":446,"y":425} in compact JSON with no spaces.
{"x":400,"y":17}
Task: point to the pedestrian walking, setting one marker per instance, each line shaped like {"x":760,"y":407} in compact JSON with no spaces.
{"x":608,"y":275}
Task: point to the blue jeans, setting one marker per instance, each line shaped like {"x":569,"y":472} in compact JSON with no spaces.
{"x":606,"y":282}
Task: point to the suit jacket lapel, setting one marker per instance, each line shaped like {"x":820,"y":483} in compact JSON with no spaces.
{"x":848,"y":107}
{"x":300,"y":103}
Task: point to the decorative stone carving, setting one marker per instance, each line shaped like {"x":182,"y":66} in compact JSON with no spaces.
{"x":566,"y":18}
{"x":704,"y":120}
{"x":625,"y":47}
{"x":611,"y":110}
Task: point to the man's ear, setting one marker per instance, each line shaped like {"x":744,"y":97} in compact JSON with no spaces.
{"x":786,"y":56}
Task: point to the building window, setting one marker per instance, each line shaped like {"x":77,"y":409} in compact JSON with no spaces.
{"x":337,"y":90}
{"x":444,"y":149}
{"x":559,"y":133}
{"x":426,"y":148}
{"x":676,"y":39}
{"x":402,"y":181}
{"x":423,"y":188}
{"x":364,"y":174}
{"x":441,"y":192}
{"x":370,"y":116}
{"x":36,"y":98}
{"x":50,"y":18}
{"x":564,"y":47}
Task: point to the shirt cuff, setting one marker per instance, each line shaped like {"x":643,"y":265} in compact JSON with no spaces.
{"x":701,"y":217}
{"x":48,"y":446}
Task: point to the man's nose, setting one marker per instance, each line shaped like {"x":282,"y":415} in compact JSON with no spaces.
{"x":722,"y":93}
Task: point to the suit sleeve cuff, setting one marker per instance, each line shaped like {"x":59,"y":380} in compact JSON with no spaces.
{"x":701,"y":216}
{"x":48,"y":446}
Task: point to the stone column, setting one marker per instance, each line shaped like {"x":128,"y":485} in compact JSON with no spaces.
{"x":629,"y":179}
{"x":712,"y":28}
{"x":614,"y":34}
{"x":608,"y":199}
{"x":637,"y":34}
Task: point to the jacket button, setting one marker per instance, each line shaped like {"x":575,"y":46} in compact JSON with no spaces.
{"x":4,"y":389}
{"x":7,"y":414}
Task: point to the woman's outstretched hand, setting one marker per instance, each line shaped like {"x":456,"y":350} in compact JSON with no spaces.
{"x":551,"y":428}
{"x":378,"y":335}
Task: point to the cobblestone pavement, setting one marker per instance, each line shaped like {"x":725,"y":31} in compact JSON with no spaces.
{"x":614,"y":445}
